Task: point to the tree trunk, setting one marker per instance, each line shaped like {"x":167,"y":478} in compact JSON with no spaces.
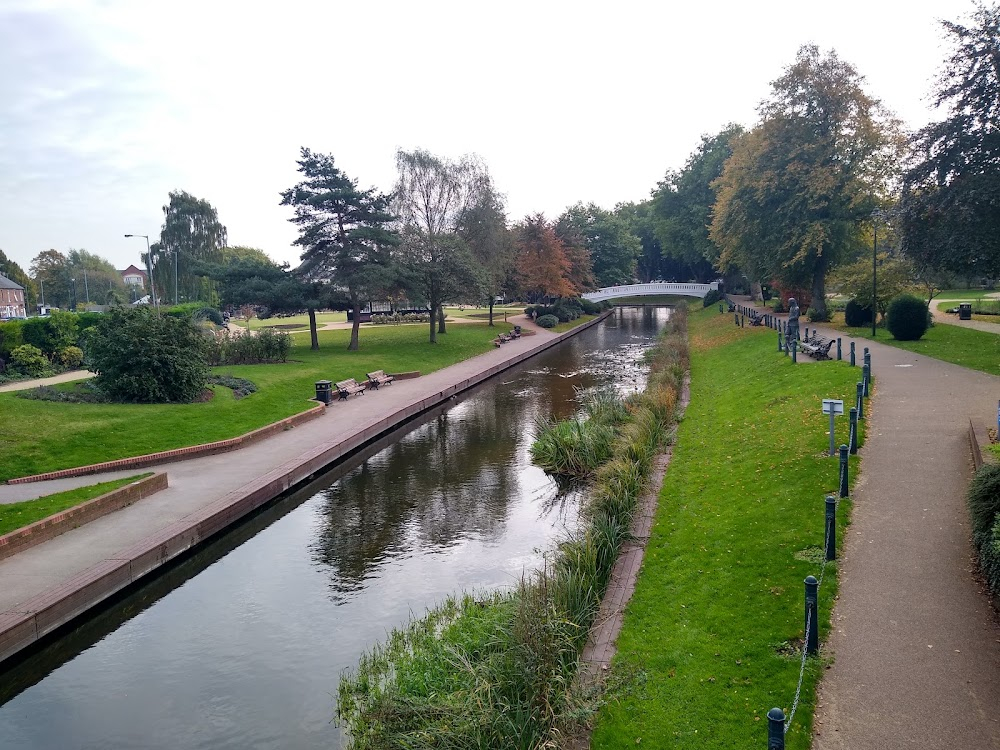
{"x":491,"y":311}
{"x":356,"y":309}
{"x":819,"y":288}
{"x":440,"y":316}
{"x":313,"y":336}
{"x":434,"y":339}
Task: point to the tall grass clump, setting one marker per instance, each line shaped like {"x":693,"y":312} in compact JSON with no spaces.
{"x":496,"y":670}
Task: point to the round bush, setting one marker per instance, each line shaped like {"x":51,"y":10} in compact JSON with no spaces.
{"x":29,"y":360}
{"x":815,"y":316}
{"x":70,"y":356}
{"x":907,"y":318}
{"x":548,"y":321}
{"x":857,"y":315}
{"x":713,"y":296}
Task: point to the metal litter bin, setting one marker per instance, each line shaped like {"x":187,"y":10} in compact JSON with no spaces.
{"x":965,"y":311}
{"x":517,"y":330}
{"x":324,"y":391}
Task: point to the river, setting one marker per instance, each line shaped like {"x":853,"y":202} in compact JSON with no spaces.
{"x":241,"y":644}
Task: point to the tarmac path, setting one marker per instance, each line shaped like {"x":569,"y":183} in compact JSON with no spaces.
{"x":915,"y":640}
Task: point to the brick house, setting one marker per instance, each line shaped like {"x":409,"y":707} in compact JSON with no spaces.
{"x":11,"y":299}
{"x":133,"y":276}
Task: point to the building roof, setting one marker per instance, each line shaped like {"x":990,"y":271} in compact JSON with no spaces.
{"x":6,"y":283}
{"x":133,"y":271}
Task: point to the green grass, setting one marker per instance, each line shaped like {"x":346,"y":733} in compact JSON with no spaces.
{"x":301,"y":320}
{"x":14,"y":516}
{"x":977,"y":350}
{"x":45,"y":436}
{"x":561,"y":327}
{"x":964,"y":293}
{"x":720,"y":595}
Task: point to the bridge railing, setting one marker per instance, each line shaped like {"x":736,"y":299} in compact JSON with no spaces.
{"x":652,"y":289}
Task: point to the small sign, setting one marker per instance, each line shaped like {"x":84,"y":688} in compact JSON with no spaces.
{"x":833,"y":406}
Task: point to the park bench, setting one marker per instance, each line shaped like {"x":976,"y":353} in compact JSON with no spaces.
{"x":817,"y":347}
{"x":377,"y":378}
{"x":502,"y":338}
{"x":349,"y":387}
{"x":756,"y":319}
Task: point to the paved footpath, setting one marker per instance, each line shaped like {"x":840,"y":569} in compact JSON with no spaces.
{"x":915,"y":641}
{"x":199,"y":485}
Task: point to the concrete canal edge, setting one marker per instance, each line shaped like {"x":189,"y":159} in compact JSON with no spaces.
{"x":44,"y":613}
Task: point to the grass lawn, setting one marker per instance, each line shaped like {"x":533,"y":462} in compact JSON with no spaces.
{"x":322,"y":318}
{"x":14,"y":516}
{"x":482,"y":313}
{"x":977,"y":350}
{"x":964,"y":293}
{"x":707,"y":645}
{"x":45,"y":436}
{"x":560,"y":327}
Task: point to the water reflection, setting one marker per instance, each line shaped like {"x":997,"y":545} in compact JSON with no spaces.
{"x":241,"y":646}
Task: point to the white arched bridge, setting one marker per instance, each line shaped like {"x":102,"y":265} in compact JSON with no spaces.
{"x":652,"y":289}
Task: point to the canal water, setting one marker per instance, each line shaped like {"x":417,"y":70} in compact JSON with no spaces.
{"x":241,"y":645}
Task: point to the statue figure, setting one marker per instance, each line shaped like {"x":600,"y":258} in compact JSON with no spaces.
{"x":792,"y":329}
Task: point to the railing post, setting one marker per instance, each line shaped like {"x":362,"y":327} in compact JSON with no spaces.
{"x":868,"y":359}
{"x":812,"y":627}
{"x":775,"y":729}
{"x":854,"y":430}
{"x":736,"y":318}
{"x":844,"y":478}
{"x":831,"y":527}
{"x":806,"y":335}
{"x":839,"y":357}
{"x":865,"y":377}
{"x":859,"y":401}
{"x":852,"y":354}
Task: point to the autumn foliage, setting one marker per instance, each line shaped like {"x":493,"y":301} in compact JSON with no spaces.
{"x":544,"y":268}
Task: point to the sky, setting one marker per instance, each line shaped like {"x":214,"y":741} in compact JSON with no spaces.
{"x":108,"y":105}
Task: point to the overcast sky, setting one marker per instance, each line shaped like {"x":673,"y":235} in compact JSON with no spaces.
{"x":110,"y":104}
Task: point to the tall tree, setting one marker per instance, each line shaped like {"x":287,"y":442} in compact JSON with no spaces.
{"x":543,"y":266}
{"x":950,"y":204}
{"x":191,"y":234}
{"x":682,"y":205}
{"x":483,"y":228}
{"x":344,"y":233}
{"x":432,"y":196}
{"x":608,"y":238}
{"x":15,"y":273}
{"x":96,"y":277}
{"x":50,"y":270}
{"x":797,"y":192}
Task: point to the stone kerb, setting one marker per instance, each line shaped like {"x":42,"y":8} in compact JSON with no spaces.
{"x":979,"y":440}
{"x":59,"y":523}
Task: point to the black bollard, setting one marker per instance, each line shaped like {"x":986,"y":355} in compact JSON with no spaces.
{"x":859,"y":400}
{"x":867,"y":357}
{"x":844,"y":479}
{"x":812,"y":627}
{"x":852,"y":354}
{"x":865,"y":377}
{"x":805,"y":337}
{"x":736,"y":318}
{"x":831,"y":527}
{"x":775,"y":729}
{"x":839,"y":357}
{"x":854,"y":431}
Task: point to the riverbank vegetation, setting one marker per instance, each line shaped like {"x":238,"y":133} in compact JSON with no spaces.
{"x":46,"y":436}
{"x":496,"y":670}
{"x":710,"y":636}
{"x":14,"y":516}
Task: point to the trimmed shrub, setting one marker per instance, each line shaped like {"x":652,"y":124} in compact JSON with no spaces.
{"x":983,"y":497}
{"x":547,"y":321}
{"x":241,"y":387}
{"x":713,"y":296}
{"x":266,"y":345}
{"x":857,"y":315}
{"x":815,"y":316}
{"x":207,"y":313}
{"x":29,"y":360}
{"x":989,"y":558}
{"x":588,"y":307}
{"x":907,"y":318}
{"x":70,"y":357}
{"x":82,"y":393}
{"x":142,"y":357}
{"x":10,"y":336}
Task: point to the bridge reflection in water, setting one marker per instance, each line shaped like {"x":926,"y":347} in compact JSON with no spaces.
{"x":652,"y":289}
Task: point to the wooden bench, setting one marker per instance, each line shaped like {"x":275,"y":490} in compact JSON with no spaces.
{"x":817,"y":347}
{"x":377,"y":378}
{"x":349,"y":387}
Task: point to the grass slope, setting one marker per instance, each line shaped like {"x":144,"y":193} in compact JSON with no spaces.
{"x":720,"y":594}
{"x":45,"y":436}
{"x":14,"y":516}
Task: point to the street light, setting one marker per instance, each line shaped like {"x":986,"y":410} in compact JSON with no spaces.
{"x":149,"y":269}
{"x":876,"y":215}
{"x":73,"y":304}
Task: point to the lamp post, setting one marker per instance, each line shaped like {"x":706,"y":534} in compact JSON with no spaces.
{"x":876,"y":215}
{"x":149,"y":269}
{"x":73,"y":298}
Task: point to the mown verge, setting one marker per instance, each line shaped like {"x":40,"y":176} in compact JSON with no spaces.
{"x":711,"y":634}
{"x":496,"y":670}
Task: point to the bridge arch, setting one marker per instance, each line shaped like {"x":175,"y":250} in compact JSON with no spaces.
{"x":651,"y":290}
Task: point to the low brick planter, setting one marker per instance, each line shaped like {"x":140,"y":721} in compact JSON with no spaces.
{"x":53,"y":526}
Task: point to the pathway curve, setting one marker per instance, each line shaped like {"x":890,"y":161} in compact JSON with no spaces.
{"x":952,"y":319}
{"x":66,"y":377}
{"x":915,"y":641}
